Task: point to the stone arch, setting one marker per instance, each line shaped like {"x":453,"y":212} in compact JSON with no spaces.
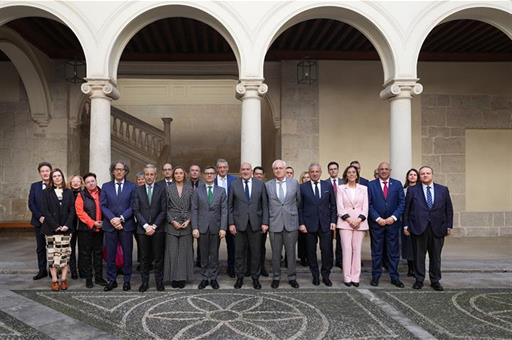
{"x":148,"y":15}
{"x":363,"y":16}
{"x":497,"y":15}
{"x":31,"y":73}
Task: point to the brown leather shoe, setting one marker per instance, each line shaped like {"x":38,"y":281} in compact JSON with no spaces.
{"x":55,"y":286}
{"x":64,"y":285}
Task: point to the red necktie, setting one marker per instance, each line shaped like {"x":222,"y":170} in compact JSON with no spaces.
{"x":385,"y":190}
{"x":334,"y":186}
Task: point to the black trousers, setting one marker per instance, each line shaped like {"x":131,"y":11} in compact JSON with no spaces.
{"x":302,"y":251}
{"x":262,"y":253}
{"x":152,"y":248}
{"x":325,"y":251}
{"x":40,"y":249}
{"x":230,"y":244}
{"x":90,"y":246}
{"x":428,"y":242}
{"x":244,"y":241}
{"x":72,"y":260}
{"x":339,"y":251}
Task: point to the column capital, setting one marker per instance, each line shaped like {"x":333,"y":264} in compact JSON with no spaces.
{"x":250,"y":88}
{"x":100,"y":88}
{"x":401,"y":88}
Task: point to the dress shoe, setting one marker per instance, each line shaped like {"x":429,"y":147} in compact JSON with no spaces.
{"x":355,"y":284}
{"x":275,"y":284}
{"x":143,"y":287}
{"x":174,"y":284}
{"x":160,"y":286}
{"x":239,"y":283}
{"x":64,"y":285}
{"x":181,"y":284}
{"x":294,"y":283}
{"x":417,"y":285}
{"x":316,"y":281}
{"x":264,"y":272}
{"x":40,"y":275}
{"x":74,"y":275}
{"x":111,"y":285}
{"x":437,"y":286}
{"x":397,"y":283}
{"x":231,"y":273}
{"x":100,"y":281}
{"x":126,"y":286}
{"x":247,"y":274}
{"x":82,"y":275}
{"x":88,"y":283}
{"x":327,"y":281}
{"x":55,"y":286}
{"x":214,"y":284}
{"x":348,"y":284}
{"x":202,"y":284}
{"x":374,"y":282}
{"x":256,"y":284}
{"x":303,"y":262}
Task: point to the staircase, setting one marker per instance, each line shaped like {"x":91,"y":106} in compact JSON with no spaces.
{"x":138,"y":140}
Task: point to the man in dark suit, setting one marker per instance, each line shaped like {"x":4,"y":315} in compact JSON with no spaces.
{"x":167,"y":174}
{"x":259,"y":173}
{"x":194,"y":173}
{"x":386,"y":205}
{"x":429,"y":218}
{"x":248,"y":216}
{"x":317,"y":219}
{"x":333,"y":168}
{"x":150,"y":210}
{"x":118,"y":223}
{"x":209,"y":224}
{"x":224,"y":180}
{"x":34,"y":204}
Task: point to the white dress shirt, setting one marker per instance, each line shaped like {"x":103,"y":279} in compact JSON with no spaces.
{"x":319,"y":188}
{"x":284,"y":187}
{"x":249,"y":184}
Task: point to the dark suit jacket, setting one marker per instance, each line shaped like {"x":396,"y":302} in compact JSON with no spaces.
{"x":113,"y":206}
{"x":317,"y":214}
{"x":209,"y":218}
{"x":364,"y":181}
{"x":34,"y":202}
{"x":230,"y":179}
{"x":394,"y":205}
{"x":57,"y":214}
{"x":242,"y":211}
{"x":418,"y":216}
{"x":150,"y":214}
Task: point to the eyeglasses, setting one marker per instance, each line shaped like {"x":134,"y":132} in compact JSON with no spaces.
{"x":209,"y":173}
{"x":119,"y":169}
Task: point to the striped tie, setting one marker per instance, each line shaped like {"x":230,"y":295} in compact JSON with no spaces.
{"x":429,"y":198}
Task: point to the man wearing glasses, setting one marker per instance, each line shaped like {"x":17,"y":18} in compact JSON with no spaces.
{"x":118,"y":223}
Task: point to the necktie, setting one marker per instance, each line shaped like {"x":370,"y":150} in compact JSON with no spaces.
{"x":118,"y":191}
{"x":429,"y":198}
{"x":168,"y":183}
{"x":334,"y":185}
{"x":281,"y":191}
{"x":247,"y":195}
{"x":210,"y":194}
{"x":317,"y":194}
{"x":385,"y":190}
{"x":150,"y":193}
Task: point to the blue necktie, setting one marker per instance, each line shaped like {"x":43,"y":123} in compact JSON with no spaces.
{"x":429,"y":198}
{"x":247,"y":190}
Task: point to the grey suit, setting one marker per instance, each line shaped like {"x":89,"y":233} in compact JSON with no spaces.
{"x":209,"y":219}
{"x":284,"y":225}
{"x":248,"y":215}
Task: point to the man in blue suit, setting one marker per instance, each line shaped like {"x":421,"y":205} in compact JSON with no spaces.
{"x":428,"y":218}
{"x":386,"y":205}
{"x":224,"y":180}
{"x":317,"y":219}
{"x":34,"y":204}
{"x":118,"y":223}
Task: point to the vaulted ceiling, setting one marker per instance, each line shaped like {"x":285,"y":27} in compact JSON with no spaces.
{"x":182,"y":39}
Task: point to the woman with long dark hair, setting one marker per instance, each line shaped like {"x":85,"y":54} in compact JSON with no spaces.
{"x":411,"y":179}
{"x":58,"y":207}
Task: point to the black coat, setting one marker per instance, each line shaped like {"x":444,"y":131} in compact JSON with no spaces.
{"x":57,"y":213}
{"x":155,"y":213}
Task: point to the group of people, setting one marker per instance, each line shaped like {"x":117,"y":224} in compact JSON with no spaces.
{"x":166,"y":216}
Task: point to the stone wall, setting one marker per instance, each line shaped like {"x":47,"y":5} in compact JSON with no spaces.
{"x":299,"y":119}
{"x":445,"y":119}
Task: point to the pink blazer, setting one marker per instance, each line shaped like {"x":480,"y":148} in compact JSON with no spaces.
{"x":345,"y":205}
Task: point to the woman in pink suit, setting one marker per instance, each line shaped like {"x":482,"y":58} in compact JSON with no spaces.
{"x":352,"y":204}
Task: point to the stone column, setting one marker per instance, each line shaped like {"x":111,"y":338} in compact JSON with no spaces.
{"x":250,"y":93}
{"x":167,"y":132}
{"x":101,"y":92}
{"x":400,"y":93}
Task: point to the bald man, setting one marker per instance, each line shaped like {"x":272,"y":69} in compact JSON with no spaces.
{"x":386,"y":205}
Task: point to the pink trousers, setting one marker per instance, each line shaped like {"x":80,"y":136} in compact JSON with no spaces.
{"x":351,"y":244}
